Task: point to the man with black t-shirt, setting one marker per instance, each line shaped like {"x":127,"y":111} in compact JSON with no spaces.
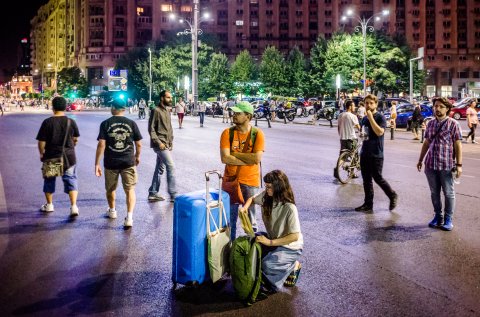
{"x":117,"y":138}
{"x":50,"y":138}
{"x":371,"y":157}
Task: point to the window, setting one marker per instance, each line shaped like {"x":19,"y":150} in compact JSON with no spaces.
{"x":462,"y":74}
{"x":328,"y":13}
{"x":313,"y":26}
{"x":166,"y":8}
{"x":447,"y":57}
{"x":446,"y":24}
{"x":239,"y":12}
{"x":476,"y":75}
{"x":239,"y":22}
{"x":446,"y":91}
{"x":447,"y":46}
{"x":328,"y":24}
{"x":430,"y":58}
{"x":416,"y":13}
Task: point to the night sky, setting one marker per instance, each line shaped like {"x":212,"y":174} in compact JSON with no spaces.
{"x":14,"y":25}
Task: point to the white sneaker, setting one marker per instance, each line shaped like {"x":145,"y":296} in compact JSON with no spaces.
{"x":111,"y":213}
{"x":73,"y":211}
{"x":128,"y":222}
{"x":47,"y":208}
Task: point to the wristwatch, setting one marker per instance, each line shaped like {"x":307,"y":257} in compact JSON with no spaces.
{"x":458,"y":164}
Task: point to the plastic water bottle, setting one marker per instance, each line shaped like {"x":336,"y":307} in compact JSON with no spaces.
{"x":456,"y":179}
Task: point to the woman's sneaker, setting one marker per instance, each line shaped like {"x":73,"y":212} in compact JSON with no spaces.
{"x":111,"y":213}
{"x":47,"y":208}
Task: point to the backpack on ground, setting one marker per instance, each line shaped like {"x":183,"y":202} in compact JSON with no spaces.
{"x":246,"y":268}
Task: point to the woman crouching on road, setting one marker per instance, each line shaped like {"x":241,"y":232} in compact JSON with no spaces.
{"x":283,"y":243}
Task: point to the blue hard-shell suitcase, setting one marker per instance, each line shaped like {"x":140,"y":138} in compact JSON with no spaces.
{"x":189,"y":261}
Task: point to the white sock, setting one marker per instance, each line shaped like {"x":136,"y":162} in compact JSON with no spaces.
{"x":111,"y":209}
{"x":49,"y":205}
{"x":130,"y":215}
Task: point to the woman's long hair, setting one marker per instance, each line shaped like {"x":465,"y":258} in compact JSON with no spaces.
{"x":282,"y":192}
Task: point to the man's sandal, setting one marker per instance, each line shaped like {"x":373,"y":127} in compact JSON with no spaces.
{"x":293,"y":277}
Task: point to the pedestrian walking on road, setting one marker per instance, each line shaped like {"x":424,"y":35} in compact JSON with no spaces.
{"x":371,"y":156}
{"x":120,"y":140}
{"x":57,"y":137}
{"x":2,"y":104}
{"x":180,"y":110}
{"x":417,"y":119}
{"x":472,"y":120}
{"x":202,"y":107}
{"x":161,"y":141}
{"x":443,"y":161}
{"x":282,"y":244}
{"x":241,"y":150}
{"x":393,"y":115}
{"x":361,"y":112}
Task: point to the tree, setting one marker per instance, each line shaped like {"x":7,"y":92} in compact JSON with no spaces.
{"x":243,"y":73}
{"x":273,"y":72}
{"x":296,"y":72}
{"x":216,"y":77}
{"x":387,"y":65}
{"x":315,"y":85}
{"x":71,"y":83}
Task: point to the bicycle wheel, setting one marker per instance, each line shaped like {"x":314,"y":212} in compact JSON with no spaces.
{"x":344,"y":167}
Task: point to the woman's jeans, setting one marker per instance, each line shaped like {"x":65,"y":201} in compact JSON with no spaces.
{"x":202,"y":117}
{"x":164,"y":160}
{"x":441,"y":180}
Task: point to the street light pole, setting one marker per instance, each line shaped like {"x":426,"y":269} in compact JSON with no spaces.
{"x":150,"y":70}
{"x":194,"y":54}
{"x":364,"y":27}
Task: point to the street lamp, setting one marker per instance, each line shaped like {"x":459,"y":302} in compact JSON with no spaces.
{"x":364,"y":27}
{"x":150,"y":70}
{"x":194,"y":31}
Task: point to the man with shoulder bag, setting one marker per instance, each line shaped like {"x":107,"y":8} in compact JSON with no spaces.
{"x":443,"y":150}
{"x":241,"y":149}
{"x":57,"y":138}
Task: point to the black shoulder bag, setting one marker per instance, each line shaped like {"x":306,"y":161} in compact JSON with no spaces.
{"x":55,"y":167}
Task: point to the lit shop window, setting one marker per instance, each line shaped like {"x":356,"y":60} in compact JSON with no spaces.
{"x":166,"y":8}
{"x":186,"y":8}
{"x":140,"y":10}
{"x":239,"y":23}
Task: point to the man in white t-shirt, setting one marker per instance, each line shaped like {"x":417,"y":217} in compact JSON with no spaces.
{"x":347,"y":122}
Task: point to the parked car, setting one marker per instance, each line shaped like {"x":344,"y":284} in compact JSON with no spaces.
{"x":74,"y":106}
{"x":459,"y":110}
{"x":404,"y":114}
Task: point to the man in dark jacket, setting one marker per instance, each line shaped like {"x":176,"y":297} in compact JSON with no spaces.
{"x":161,"y":141}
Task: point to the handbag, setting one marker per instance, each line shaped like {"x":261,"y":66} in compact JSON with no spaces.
{"x":218,"y":240}
{"x":55,"y":166}
{"x":231,"y":185}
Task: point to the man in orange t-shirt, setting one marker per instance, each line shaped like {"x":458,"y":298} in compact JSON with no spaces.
{"x":249,"y":162}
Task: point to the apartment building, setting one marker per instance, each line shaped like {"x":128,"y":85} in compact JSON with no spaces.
{"x":98,"y":32}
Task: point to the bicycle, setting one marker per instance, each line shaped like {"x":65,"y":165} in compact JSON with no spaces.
{"x":348,"y":164}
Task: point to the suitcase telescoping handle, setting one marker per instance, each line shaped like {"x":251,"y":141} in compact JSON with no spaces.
{"x":207,"y":178}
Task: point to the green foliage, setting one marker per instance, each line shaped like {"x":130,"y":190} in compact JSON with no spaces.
{"x":273,"y":71}
{"x":387,"y":66}
{"x":216,"y":77}
{"x":70,"y":80}
{"x":315,"y":75}
{"x":169,"y":65}
{"x":296,"y":72}
{"x":244,"y":73}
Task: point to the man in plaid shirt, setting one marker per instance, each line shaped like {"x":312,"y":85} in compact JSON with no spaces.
{"x":443,"y":148}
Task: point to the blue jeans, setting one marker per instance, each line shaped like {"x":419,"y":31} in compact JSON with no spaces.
{"x":164,"y":160}
{"x":247,"y":192}
{"x":70,"y":182}
{"x":202,"y":117}
{"x":441,"y":180}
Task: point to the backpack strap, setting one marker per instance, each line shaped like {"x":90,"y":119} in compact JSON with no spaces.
{"x":253,"y":135}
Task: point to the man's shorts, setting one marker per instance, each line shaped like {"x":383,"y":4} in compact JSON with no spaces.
{"x":70,"y":182}
{"x":129,"y":178}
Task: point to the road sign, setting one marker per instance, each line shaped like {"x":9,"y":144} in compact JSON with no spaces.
{"x":118,"y":80}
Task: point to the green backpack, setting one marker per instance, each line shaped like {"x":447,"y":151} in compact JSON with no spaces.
{"x":246,"y":268}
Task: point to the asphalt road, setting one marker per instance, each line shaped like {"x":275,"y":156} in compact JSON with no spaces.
{"x":354,"y":264}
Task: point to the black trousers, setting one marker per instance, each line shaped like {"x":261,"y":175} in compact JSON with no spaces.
{"x":372,"y":170}
{"x":472,"y":132}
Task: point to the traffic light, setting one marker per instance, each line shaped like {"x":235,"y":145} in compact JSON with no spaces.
{"x":73,"y":95}
{"x":121,"y":96}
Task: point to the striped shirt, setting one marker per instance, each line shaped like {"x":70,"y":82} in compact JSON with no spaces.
{"x":441,"y":152}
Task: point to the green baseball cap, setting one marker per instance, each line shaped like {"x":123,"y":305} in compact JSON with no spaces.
{"x":243,"y":106}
